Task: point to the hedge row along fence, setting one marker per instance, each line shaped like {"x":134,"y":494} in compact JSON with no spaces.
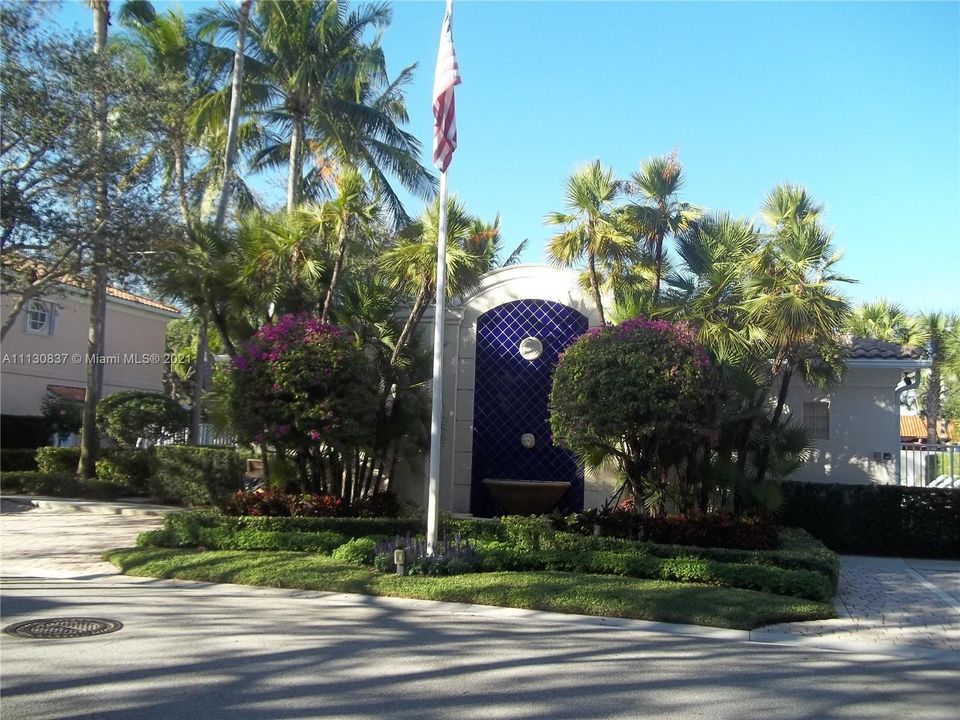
{"x":180,"y":474}
{"x":876,"y":519}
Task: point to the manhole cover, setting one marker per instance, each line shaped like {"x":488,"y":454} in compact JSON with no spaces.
{"x":60,"y":628}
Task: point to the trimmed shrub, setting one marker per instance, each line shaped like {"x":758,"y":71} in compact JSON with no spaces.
{"x":56,"y":460}
{"x":347,"y":527}
{"x":57,"y":485}
{"x":359,"y":551}
{"x":876,"y":519}
{"x":127,"y":467}
{"x":381,"y":504}
{"x":15,"y":459}
{"x":130,"y":415}
{"x":195,"y":476}
{"x":219,"y":538}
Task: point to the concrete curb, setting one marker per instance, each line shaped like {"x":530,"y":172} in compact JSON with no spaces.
{"x":94,"y":506}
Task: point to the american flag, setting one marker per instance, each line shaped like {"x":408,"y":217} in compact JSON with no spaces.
{"x":446,"y":78}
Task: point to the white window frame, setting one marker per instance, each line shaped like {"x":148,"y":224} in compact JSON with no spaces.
{"x":47,"y":327}
{"x":816,"y":418}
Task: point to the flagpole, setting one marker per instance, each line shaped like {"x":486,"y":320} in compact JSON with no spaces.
{"x":439,"y":316}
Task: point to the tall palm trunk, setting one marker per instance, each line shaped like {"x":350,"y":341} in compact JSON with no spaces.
{"x":595,"y":285}
{"x":413,"y":319}
{"x":659,"y":269}
{"x":234,"y":123}
{"x":296,"y":161}
{"x":337,"y":268}
{"x":763,"y":460}
{"x":98,"y":289}
{"x":933,"y":396}
{"x":199,"y":379}
{"x":179,"y":168}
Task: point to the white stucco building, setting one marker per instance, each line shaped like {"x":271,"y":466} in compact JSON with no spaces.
{"x":501,"y":344}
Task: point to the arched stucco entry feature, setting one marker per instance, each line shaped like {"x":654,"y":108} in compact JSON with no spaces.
{"x":518,"y":346}
{"x":510,"y":284}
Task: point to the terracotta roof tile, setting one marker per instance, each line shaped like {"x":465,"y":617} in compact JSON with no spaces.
{"x":865,"y":349}
{"x":78,"y":394}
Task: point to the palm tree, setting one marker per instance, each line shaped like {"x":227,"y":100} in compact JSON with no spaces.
{"x":324,"y":91}
{"x":887,"y":321}
{"x":792,"y":300}
{"x":412,"y":263}
{"x":589,"y":229}
{"x":661,"y":212}
{"x":941,"y":334}
{"x":708,"y":287}
{"x":344,"y":218}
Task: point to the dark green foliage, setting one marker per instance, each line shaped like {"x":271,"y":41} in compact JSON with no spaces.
{"x":359,"y":551}
{"x":876,"y":519}
{"x":185,"y":522}
{"x":58,"y":460}
{"x":130,"y":415}
{"x":13,"y":459}
{"x":642,"y":394}
{"x":57,"y":485}
{"x":689,"y":568}
{"x":379,"y":504}
{"x":129,"y":467}
{"x":64,"y":416}
{"x":24,"y":431}
{"x":195,"y":476}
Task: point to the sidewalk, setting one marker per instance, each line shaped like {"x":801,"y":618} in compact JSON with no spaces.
{"x":100,"y":507}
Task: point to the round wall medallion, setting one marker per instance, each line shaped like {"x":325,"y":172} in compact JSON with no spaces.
{"x":63,"y":628}
{"x":528,"y":440}
{"x":531,"y":348}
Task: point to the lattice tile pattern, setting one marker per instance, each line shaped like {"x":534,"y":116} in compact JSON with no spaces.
{"x":511,"y":398}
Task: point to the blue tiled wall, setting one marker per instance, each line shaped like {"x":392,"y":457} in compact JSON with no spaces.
{"x":511,"y":396}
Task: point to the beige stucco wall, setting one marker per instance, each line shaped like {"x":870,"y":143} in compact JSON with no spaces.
{"x":864,"y":426}
{"x":131,"y":330}
{"x":518,"y":282}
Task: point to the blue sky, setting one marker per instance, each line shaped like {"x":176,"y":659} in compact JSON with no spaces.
{"x":859,"y":102}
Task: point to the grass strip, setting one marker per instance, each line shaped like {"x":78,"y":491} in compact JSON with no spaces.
{"x":577,"y":593}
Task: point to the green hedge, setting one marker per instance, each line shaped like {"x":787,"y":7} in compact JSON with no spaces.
{"x":691,"y":568}
{"x":876,"y":519}
{"x":58,"y":460}
{"x":128,"y":467}
{"x":218,"y":538}
{"x":16,"y":459}
{"x":349,"y":527}
{"x":57,"y":485}
{"x":195,"y":476}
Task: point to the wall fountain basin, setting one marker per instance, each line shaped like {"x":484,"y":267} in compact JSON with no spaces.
{"x":526,"y":497}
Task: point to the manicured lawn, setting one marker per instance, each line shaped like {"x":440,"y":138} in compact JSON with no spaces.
{"x":550,"y":591}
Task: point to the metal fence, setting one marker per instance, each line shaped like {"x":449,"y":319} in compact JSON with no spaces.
{"x":923,"y":465}
{"x":207,"y":437}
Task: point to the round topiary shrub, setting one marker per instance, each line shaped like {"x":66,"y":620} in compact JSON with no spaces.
{"x":642,"y":394}
{"x":130,"y":416}
{"x":360,"y":551}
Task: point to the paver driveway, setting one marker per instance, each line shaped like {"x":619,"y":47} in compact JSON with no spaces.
{"x":196,"y":650}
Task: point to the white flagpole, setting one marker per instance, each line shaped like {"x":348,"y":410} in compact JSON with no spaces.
{"x":439,"y":315}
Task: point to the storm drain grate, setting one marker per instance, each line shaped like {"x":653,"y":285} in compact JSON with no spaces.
{"x":63,"y":628}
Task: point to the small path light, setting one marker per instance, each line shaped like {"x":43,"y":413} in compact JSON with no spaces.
{"x":400,"y":559}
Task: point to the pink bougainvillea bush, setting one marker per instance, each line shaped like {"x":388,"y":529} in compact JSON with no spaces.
{"x":642,"y":394}
{"x":305,"y":388}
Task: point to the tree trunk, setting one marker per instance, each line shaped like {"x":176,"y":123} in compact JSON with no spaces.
{"x":933,"y":400}
{"x":296,"y":161}
{"x":595,"y":285}
{"x":98,"y":290}
{"x":337,"y":268}
{"x":659,"y":270}
{"x":179,"y":167}
{"x":199,"y":380}
{"x":764,"y":458}
{"x":234,"y":122}
{"x":416,"y":314}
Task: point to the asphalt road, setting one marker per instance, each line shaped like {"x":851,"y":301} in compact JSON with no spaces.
{"x":193,"y":650}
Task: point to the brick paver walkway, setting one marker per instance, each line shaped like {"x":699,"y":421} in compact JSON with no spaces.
{"x":890,"y":603}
